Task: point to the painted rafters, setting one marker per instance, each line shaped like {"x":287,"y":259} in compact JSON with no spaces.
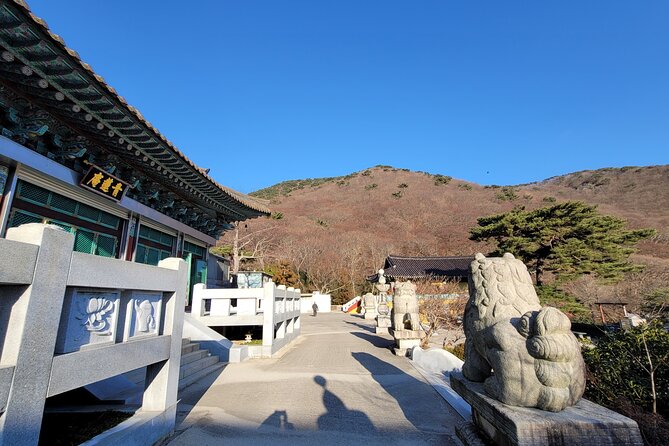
{"x":106,"y":113}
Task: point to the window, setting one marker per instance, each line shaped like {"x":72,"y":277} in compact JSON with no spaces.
{"x":192,"y":248}
{"x":50,"y":200}
{"x":86,"y":241}
{"x":153,"y":246}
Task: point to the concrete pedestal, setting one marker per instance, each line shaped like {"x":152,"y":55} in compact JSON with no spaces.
{"x":584,"y":423}
{"x":405,"y":340}
{"x":383,"y":323}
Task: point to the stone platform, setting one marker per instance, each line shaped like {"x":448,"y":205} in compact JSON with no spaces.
{"x":585,"y":423}
{"x":370,"y":314}
{"x":405,"y":340}
{"x":383,"y":323}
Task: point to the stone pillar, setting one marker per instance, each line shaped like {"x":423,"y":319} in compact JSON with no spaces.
{"x":383,"y":318}
{"x":197,"y":307}
{"x":32,"y":331}
{"x":268,"y":318}
{"x":162,"y":378}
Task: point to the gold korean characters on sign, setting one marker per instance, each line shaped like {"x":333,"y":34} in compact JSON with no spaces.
{"x":103,"y":183}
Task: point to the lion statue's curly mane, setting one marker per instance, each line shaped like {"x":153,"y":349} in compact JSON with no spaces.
{"x":526,"y":355}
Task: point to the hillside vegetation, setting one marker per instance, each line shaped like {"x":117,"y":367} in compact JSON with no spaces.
{"x":334,"y":231}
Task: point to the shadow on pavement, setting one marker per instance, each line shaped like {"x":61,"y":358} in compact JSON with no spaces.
{"x":337,"y":416}
{"x":375,"y":340}
{"x":417,"y":399}
{"x":278,"y":420}
{"x":190,"y":396}
{"x":364,"y":327}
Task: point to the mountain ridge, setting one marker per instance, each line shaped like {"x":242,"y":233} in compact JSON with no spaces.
{"x":352,"y":222}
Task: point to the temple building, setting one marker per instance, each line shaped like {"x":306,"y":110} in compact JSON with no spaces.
{"x":401,"y":268}
{"x":75,"y":154}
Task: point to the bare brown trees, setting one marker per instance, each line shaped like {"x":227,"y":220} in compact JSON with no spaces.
{"x":442,"y":314}
{"x":243,"y":244}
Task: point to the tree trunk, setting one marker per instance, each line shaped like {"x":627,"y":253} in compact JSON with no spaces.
{"x":235,"y":251}
{"x":651,"y":372}
{"x":539,"y":270}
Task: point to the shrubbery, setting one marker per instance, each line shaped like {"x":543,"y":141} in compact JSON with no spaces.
{"x":619,"y":366}
{"x":441,"y":179}
{"x":506,"y":193}
{"x":623,"y":370}
{"x":457,"y":350}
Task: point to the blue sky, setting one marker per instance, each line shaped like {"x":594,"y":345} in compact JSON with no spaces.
{"x":491,"y":92}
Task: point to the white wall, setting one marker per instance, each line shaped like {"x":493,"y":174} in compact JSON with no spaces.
{"x":324,"y":302}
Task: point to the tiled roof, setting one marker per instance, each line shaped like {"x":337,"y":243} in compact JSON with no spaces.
{"x":156,"y":149}
{"x":401,"y":267}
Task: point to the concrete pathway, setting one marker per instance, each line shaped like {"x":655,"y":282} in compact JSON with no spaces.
{"x":339,"y":383}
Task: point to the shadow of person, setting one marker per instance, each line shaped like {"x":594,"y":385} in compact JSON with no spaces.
{"x":278,"y":420}
{"x":337,"y":416}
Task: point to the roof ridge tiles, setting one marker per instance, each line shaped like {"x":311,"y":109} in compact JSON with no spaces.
{"x":429,"y":257}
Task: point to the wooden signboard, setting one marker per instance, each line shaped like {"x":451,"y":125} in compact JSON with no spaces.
{"x":102,"y":183}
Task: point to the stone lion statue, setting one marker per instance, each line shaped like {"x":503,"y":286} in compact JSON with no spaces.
{"x":405,"y":307}
{"x":526,"y":355}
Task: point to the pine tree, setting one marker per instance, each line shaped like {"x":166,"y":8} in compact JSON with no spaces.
{"x":568,"y":239}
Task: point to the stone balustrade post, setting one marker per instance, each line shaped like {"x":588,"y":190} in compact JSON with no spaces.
{"x":162,"y":378}
{"x":32,"y":331}
{"x":268,"y":314}
{"x":197,"y":307}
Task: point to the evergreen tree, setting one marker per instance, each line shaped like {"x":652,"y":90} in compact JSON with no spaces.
{"x":568,"y":239}
{"x":283,"y":274}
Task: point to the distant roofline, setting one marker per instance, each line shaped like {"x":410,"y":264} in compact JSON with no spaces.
{"x":429,"y":257}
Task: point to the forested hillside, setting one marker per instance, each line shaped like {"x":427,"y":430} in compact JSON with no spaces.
{"x":332,"y":232}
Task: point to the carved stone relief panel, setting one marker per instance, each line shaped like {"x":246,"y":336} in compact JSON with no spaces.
{"x":143,"y":314}
{"x":89,"y":318}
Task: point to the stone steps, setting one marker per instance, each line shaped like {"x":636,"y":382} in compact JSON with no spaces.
{"x":193,"y":356}
{"x":191,"y":379}
{"x":196,"y":363}
{"x":189,"y":347}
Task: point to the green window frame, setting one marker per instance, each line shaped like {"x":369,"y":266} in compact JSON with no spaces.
{"x":153,"y":245}
{"x":150,"y":255}
{"x":64,"y":205}
{"x":85,"y":240}
{"x":192,"y":248}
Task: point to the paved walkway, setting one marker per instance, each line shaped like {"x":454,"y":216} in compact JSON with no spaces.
{"x":339,"y":383}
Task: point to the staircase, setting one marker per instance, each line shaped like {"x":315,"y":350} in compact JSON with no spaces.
{"x":196,"y":363}
{"x":127,"y":388}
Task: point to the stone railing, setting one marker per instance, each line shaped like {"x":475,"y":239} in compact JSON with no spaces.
{"x":102,"y":317}
{"x":275,"y":308}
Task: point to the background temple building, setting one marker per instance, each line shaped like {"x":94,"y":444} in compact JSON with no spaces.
{"x":75,"y":154}
{"x":415,"y":268}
